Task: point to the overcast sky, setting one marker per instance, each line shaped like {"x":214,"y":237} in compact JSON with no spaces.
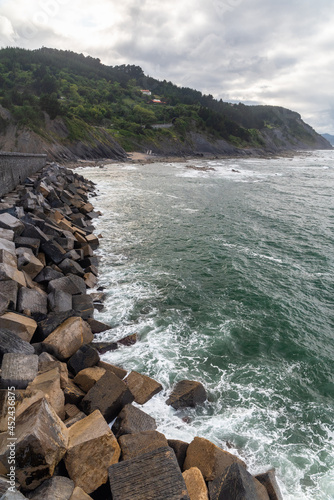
{"x":277,"y":52}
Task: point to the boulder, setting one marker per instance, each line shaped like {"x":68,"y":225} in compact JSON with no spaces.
{"x":195,"y":484}
{"x":180,"y":450}
{"x":142,"y":387}
{"x":55,"y":488}
{"x":132,"y":420}
{"x":90,"y":280}
{"x":47,"y":362}
{"x":53,"y":251}
{"x":209,"y":458}
{"x":69,"y":266}
{"x":10,"y":289}
{"x":6,"y":234}
{"x":49,"y":383}
{"x":268,"y":479}
{"x":153,"y":475}
{"x":4,"y":304}
{"x":69,"y":337}
{"x":186,"y":393}
{"x":92,"y":449}
{"x":120,"y":372}
{"x":73,"y":394}
{"x":235,"y":482}
{"x":133,"y":445}
{"x":8,"y":272}
{"x":34,"y":300}
{"x":10,"y":342}
{"x":8,"y":258}
{"x":71,"y":411}
{"x":83,"y":305}
{"x":23,"y":326}
{"x":73,"y":420}
{"x":45,"y":443}
{"x":92,"y":241}
{"x":48,"y":274}
{"x":33,"y":231}
{"x":85,"y":357}
{"x":23,"y":400}
{"x":31,"y":243}
{"x":104,"y":347}
{"x":109,"y":395}
{"x":71,"y":284}
{"x":13,"y":495}
{"x":18,"y":370}
{"x":7,"y":221}
{"x":86,"y":378}
{"x":79,"y":494}
{"x":7,"y":245}
{"x":27,"y":262}
{"x":47,"y":324}
{"x":129,"y":340}
{"x":59,"y":301}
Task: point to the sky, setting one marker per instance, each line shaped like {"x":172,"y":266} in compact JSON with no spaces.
{"x":278,"y":52}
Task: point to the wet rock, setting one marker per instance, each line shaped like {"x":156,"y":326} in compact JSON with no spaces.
{"x":195,"y":484}
{"x":104,"y":347}
{"x":142,"y":387}
{"x":109,"y":395}
{"x":86,"y":378}
{"x":97,"y":326}
{"x":133,"y":445}
{"x":180,"y":450}
{"x":69,"y":337}
{"x":129,"y":340}
{"x":187,"y":393}
{"x":209,"y":458}
{"x":132,"y":420}
{"x":90,"y":280}
{"x":235,"y":482}
{"x":33,"y":300}
{"x":18,"y":370}
{"x":55,"y":488}
{"x":153,"y":475}
{"x":12,"y":343}
{"x":120,"y":372}
{"x":22,"y":326}
{"x":92,"y":448}
{"x":45,"y":443}
{"x":268,"y":479}
{"x":85,"y":357}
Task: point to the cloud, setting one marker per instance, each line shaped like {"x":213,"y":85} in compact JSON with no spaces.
{"x":260,"y":51}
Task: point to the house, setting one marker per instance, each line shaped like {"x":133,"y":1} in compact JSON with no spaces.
{"x":146,"y":92}
{"x":157,"y":101}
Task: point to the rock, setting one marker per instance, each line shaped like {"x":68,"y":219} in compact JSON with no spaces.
{"x":70,"y":421}
{"x":27,"y":262}
{"x":8,"y":258}
{"x":7,"y":221}
{"x":10,"y":289}
{"x":83,"y":305}
{"x":69,"y":337}
{"x":208,"y":458}
{"x":104,"y":347}
{"x":18,"y":370}
{"x":180,"y":450}
{"x":86,"y":378}
{"x":90,"y":280}
{"x":154,"y":475}
{"x":49,"y":383}
{"x":49,"y":323}
{"x":133,"y":445}
{"x":7,"y":245}
{"x":13,"y":495}
{"x":69,"y":266}
{"x":235,"y":482}
{"x":9,"y":342}
{"x":6,"y":234}
{"x":4,"y":304}
{"x":262,"y":493}
{"x":132,"y":420}
{"x":85,"y":357}
{"x":32,"y":243}
{"x":92,"y":241}
{"x":48,"y":274}
{"x":73,"y":394}
{"x":47,"y":362}
{"x":59,"y":301}
{"x":45,"y":443}
{"x":32,"y":231}
{"x":8,"y":272}
{"x":129,"y":340}
{"x":22,"y":326}
{"x":92,"y":448}
{"x":195,"y":484}
{"x":71,"y":284}
{"x":268,"y":479}
{"x":109,"y":395}
{"x":34,"y":300}
{"x":112,"y":368}
{"x":142,"y":387}
{"x":54,"y":251}
{"x":187,"y":393}
{"x":55,"y":488}
{"x":86,"y":208}
{"x":79,"y":494}
{"x":71,"y":411}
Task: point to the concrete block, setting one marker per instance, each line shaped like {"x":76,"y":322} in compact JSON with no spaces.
{"x":83,"y":305}
{"x":49,"y":383}
{"x":7,"y":221}
{"x":85,"y":357}
{"x":18,"y":370}
{"x":69,"y":337}
{"x":59,"y":301}
{"x":33,"y":300}
{"x":11,"y":343}
{"x":22,"y":326}
{"x":142,"y":387}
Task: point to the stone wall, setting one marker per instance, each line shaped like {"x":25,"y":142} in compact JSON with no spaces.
{"x":15,"y":167}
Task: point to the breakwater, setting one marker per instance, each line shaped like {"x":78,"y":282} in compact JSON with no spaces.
{"x":15,"y":167}
{"x":58,"y":397}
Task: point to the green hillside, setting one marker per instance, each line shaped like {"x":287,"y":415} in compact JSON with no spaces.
{"x":90,"y":98}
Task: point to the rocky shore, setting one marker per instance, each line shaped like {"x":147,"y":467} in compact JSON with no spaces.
{"x":68,"y":427}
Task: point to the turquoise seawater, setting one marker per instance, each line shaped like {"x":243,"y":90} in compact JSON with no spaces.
{"x":227,"y":277}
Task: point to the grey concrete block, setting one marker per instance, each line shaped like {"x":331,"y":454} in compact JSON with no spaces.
{"x":33,"y":300}
{"x":11,"y":343}
{"x":18,"y":370}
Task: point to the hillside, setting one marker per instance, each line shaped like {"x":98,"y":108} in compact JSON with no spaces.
{"x":72,"y":106}
{"x":329,"y":138}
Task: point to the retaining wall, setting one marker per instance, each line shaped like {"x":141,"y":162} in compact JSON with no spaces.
{"x":16,"y":167}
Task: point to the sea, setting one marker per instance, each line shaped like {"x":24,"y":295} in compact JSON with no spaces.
{"x":224,"y":269}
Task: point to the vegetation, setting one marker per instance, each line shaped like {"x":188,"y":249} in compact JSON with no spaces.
{"x":87,"y":95}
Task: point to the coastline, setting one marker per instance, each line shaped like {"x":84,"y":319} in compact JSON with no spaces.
{"x":49,"y":334}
